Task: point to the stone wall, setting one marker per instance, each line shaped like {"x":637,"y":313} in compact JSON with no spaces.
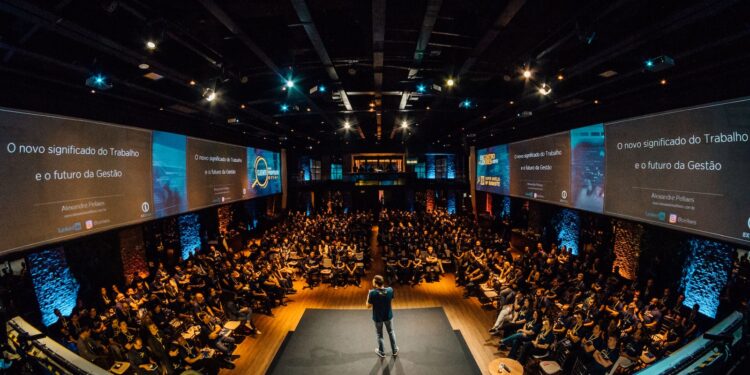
{"x":54,"y":284}
{"x":705,"y":274}
{"x":132,"y":251}
{"x":627,"y":247}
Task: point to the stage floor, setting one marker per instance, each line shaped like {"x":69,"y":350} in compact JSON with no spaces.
{"x":343,"y":342}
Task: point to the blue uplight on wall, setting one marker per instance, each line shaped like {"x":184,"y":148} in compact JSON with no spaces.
{"x":505,"y":211}
{"x":190,"y":238}
{"x":430,"y":166}
{"x":705,"y":274}
{"x":450,"y":166}
{"x":304,"y":166}
{"x":451,"y":202}
{"x":567,"y":224}
{"x":54,"y":284}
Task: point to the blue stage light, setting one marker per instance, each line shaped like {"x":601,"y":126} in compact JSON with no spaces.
{"x":284,"y":107}
{"x":99,"y":80}
{"x":289,"y":83}
{"x":466,"y":104}
{"x":649,"y":63}
{"x":421,"y":88}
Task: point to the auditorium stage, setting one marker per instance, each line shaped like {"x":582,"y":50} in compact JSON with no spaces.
{"x":343,"y":342}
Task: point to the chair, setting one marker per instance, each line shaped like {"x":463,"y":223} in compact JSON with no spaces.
{"x":326,"y":273}
{"x":557,"y":359}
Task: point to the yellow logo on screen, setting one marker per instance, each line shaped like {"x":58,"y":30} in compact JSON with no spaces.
{"x":487,"y":159}
{"x":264,"y":172}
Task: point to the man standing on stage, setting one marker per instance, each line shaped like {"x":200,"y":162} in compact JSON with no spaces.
{"x":379,"y":299}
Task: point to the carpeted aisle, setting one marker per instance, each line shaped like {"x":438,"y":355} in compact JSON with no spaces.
{"x":344,"y":342}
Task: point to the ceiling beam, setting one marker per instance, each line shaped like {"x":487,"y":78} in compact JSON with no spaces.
{"x":428,"y":24}
{"x":378,"y":38}
{"x":501,"y":22}
{"x":303,"y":13}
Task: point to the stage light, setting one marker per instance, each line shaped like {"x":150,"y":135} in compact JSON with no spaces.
{"x":242,"y":106}
{"x":192,"y":83}
{"x":98,"y":82}
{"x":526,"y":73}
{"x":210,"y":95}
{"x":560,"y":77}
{"x":404,"y":125}
{"x":596,"y":101}
{"x":511,"y":102}
{"x":545,"y":89}
{"x":143,"y":66}
{"x":347,"y":125}
{"x":93,"y":91}
{"x":649,"y":63}
{"x":321,"y":88}
{"x":663,"y":82}
{"x":289,"y":83}
{"x":421,"y":88}
{"x":284,"y":107}
{"x":450,"y":82}
{"x":151,"y":45}
{"x":466,"y":104}
{"x":428,"y":108}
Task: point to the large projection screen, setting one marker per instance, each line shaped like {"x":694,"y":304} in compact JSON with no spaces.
{"x":64,"y":177}
{"x":686,"y":169}
{"x":540,"y":169}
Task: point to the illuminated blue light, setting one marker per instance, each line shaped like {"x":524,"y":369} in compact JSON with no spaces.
{"x":190,"y":237}
{"x":322,"y":88}
{"x":289,"y":83}
{"x":451,"y":203}
{"x":284,"y":107}
{"x":567,"y":225}
{"x":649,"y":63}
{"x":99,"y":80}
{"x":466,"y":104}
{"x":421,"y":88}
{"x":450,"y":166}
{"x":705,"y":274}
{"x":505,"y":212}
{"x":54,"y":284}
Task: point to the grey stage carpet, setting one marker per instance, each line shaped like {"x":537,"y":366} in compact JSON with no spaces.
{"x":344,"y":342}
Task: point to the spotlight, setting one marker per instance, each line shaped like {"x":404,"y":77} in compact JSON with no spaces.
{"x":321,"y":88}
{"x":526,"y":73}
{"x":210,"y":95}
{"x":98,"y":82}
{"x":663,"y":82}
{"x":347,"y":125}
{"x":511,"y":102}
{"x":545,"y":89}
{"x":192,"y":83}
{"x":404,"y":125}
{"x":560,"y":77}
{"x":151,"y":45}
{"x":284,"y":107}
{"x":421,"y":88}
{"x":649,"y":63}
{"x":289,"y":83}
{"x":465,"y":104}
{"x":450,"y":82}
{"x":242,"y":106}
{"x":596,"y":101}
{"x":143,"y":66}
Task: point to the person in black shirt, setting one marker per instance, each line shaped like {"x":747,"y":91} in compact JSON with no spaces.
{"x":379,"y":299}
{"x":605,"y":357}
{"x":157,"y":344}
{"x":140,"y":359}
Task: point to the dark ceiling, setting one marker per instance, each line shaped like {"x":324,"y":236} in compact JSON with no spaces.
{"x":371,"y":56}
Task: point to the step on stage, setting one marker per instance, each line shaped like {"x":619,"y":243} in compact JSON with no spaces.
{"x":344,"y":342}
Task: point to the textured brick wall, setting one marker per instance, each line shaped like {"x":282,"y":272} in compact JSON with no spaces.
{"x":225,"y":216}
{"x":627,"y":247}
{"x":54,"y":284}
{"x":190,"y":238}
{"x":450,"y":166}
{"x":705,"y":274}
{"x":567,"y":226}
{"x":132,"y":251}
{"x":451,"y":202}
{"x":429,"y":166}
{"x":429,"y":197}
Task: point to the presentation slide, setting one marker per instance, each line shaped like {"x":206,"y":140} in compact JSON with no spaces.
{"x":170,"y":174}
{"x":540,"y":169}
{"x":216,"y":173}
{"x":263,"y":172}
{"x":587,"y":168}
{"x":686,"y":169}
{"x":64,"y":177}
{"x":493,"y":170}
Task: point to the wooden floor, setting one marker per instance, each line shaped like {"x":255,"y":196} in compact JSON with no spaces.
{"x":465,"y":315}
